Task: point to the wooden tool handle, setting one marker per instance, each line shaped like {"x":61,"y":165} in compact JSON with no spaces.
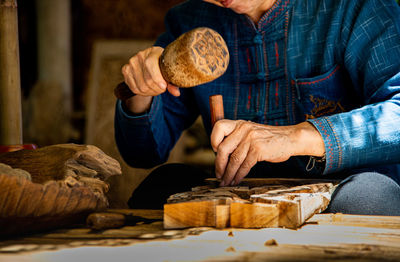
{"x":101,"y":221}
{"x":123,"y":92}
{"x":216,"y":108}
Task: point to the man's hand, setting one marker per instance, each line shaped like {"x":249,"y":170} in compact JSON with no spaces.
{"x":143,"y":76}
{"x":241,"y":144}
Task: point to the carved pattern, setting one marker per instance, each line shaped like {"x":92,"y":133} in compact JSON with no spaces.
{"x":209,"y":52}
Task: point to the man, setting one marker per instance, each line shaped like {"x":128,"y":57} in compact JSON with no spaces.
{"x":312,"y":89}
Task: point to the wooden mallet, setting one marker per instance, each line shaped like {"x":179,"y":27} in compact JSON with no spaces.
{"x":197,"y":57}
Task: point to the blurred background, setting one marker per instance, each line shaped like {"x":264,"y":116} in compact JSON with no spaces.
{"x":71,"y":54}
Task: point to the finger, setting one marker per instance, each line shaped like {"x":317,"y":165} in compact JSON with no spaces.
{"x":246,"y":166}
{"x":128,"y":77}
{"x":173,"y":90}
{"x":153,"y":67}
{"x":226,"y":147}
{"x":151,"y":84}
{"x":221,"y":129}
{"x":235,"y":161}
{"x":138,"y":76}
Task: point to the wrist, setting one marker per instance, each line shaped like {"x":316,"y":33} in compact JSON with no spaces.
{"x":138,"y":104}
{"x":309,"y":140}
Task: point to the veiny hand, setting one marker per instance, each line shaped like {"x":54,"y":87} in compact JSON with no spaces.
{"x":143,"y":76}
{"x":241,"y":144}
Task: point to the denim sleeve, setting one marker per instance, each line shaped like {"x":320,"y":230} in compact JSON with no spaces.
{"x":145,"y":140}
{"x":369,"y":135}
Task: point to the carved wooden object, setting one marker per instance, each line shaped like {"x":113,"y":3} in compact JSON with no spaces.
{"x":51,"y":186}
{"x":196,"y":57}
{"x":256,"y":203}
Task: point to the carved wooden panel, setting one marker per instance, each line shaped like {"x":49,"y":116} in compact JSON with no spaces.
{"x":256,"y":203}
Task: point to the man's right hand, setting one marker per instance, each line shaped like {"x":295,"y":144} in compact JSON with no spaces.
{"x":143,"y":76}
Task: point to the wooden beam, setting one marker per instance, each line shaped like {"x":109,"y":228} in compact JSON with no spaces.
{"x":10,"y":87}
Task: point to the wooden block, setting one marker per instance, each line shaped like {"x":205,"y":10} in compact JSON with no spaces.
{"x":313,"y":203}
{"x":222,"y":216}
{"x":288,"y":205}
{"x":295,"y":209}
{"x":190,"y":214}
{"x":254,"y":215}
{"x":289,"y":209}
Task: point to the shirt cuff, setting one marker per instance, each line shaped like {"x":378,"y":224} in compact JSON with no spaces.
{"x":150,"y":115}
{"x":332,"y":146}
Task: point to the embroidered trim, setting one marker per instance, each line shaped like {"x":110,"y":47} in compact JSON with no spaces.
{"x":339,"y":147}
{"x":275,"y":9}
{"x":322,"y":79}
{"x":328,"y":139}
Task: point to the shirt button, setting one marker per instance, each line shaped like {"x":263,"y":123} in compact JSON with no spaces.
{"x":258,"y":39}
{"x":261,"y":76}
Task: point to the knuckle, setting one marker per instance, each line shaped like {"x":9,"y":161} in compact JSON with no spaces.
{"x":253,"y":150}
{"x":247,"y":165}
{"x":247,"y":124}
{"x":256,"y":147}
{"x":148,"y":81}
{"x":133,"y":60}
{"x":243,"y":125}
{"x":141,"y":54}
{"x":222,"y":150}
{"x":235,"y":158}
{"x":251,"y":134}
{"x":218,"y":124}
{"x":147,"y":63}
{"x":124,"y":69}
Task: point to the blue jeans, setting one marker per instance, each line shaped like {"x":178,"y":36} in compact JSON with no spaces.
{"x":368,"y":193}
{"x":365,"y":193}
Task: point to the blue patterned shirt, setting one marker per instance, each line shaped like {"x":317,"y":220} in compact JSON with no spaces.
{"x":334,"y":63}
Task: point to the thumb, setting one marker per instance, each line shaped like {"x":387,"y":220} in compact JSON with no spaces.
{"x":173,"y":90}
{"x":221,"y":129}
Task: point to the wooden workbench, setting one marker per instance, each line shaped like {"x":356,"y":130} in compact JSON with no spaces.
{"x":324,"y":237}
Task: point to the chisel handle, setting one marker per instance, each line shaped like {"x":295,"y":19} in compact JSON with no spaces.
{"x":216,"y":108}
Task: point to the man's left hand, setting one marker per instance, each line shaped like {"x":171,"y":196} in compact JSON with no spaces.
{"x":241,"y":144}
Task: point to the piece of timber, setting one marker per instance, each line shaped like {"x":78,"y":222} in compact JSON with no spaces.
{"x":200,"y":213}
{"x":255,"y":204}
{"x":52,"y":187}
{"x":253,"y":215}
